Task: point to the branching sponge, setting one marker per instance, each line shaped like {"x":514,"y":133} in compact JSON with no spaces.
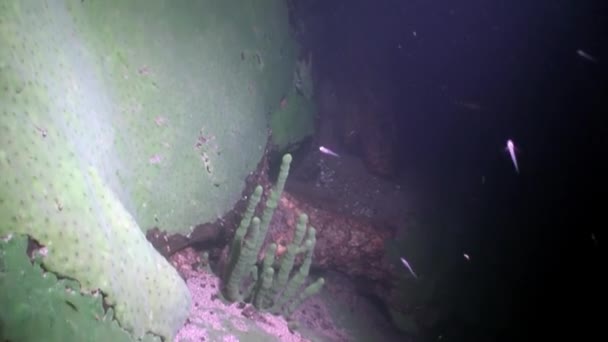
{"x":270,"y":286}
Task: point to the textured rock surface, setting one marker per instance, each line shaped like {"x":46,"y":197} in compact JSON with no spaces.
{"x":344,"y":243}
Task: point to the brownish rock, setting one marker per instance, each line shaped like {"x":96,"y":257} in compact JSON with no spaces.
{"x":366,"y":124}
{"x":350,"y":245}
{"x":377,"y":151}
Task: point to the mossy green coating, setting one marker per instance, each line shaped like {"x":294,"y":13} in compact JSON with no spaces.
{"x":117,"y":116}
{"x":90,"y":237}
{"x":294,"y":119}
{"x":202,"y":77}
{"x":158,"y":97}
{"x":36,"y":306}
{"x":292,"y":122}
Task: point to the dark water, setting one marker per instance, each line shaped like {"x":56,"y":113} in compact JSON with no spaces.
{"x":465,"y":77}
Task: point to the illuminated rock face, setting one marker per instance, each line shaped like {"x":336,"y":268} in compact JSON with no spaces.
{"x":118,"y":116}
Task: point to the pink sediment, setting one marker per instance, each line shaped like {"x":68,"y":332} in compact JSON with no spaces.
{"x":211,"y":316}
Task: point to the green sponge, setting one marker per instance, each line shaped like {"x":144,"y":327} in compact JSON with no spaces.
{"x":36,"y":306}
{"x":268,"y":288}
{"x":117,"y":116}
{"x":90,"y":237}
{"x":158,"y":99}
{"x":292,"y":122}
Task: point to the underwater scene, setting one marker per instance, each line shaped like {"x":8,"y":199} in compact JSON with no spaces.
{"x":302,"y":170}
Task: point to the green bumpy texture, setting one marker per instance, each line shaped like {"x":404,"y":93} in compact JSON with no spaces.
{"x":117,"y":116}
{"x":168,"y":100}
{"x":90,"y":237}
{"x":36,"y":306}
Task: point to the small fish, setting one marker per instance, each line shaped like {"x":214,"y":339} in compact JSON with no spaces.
{"x":328,"y":151}
{"x":511,"y":149}
{"x":586,"y":56}
{"x":594,"y":239}
{"x":472,"y":106}
{"x":407,"y":264}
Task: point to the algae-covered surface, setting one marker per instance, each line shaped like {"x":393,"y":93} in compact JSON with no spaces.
{"x":118,"y":116}
{"x":168,"y":101}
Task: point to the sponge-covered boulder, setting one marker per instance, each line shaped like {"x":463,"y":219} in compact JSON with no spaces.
{"x":116,"y":116}
{"x":169,"y":101}
{"x":88,"y":235}
{"x":183,"y":92}
{"x":37,"y":306}
{"x":293,"y":122}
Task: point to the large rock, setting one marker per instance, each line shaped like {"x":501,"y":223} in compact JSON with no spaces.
{"x":116,"y":116}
